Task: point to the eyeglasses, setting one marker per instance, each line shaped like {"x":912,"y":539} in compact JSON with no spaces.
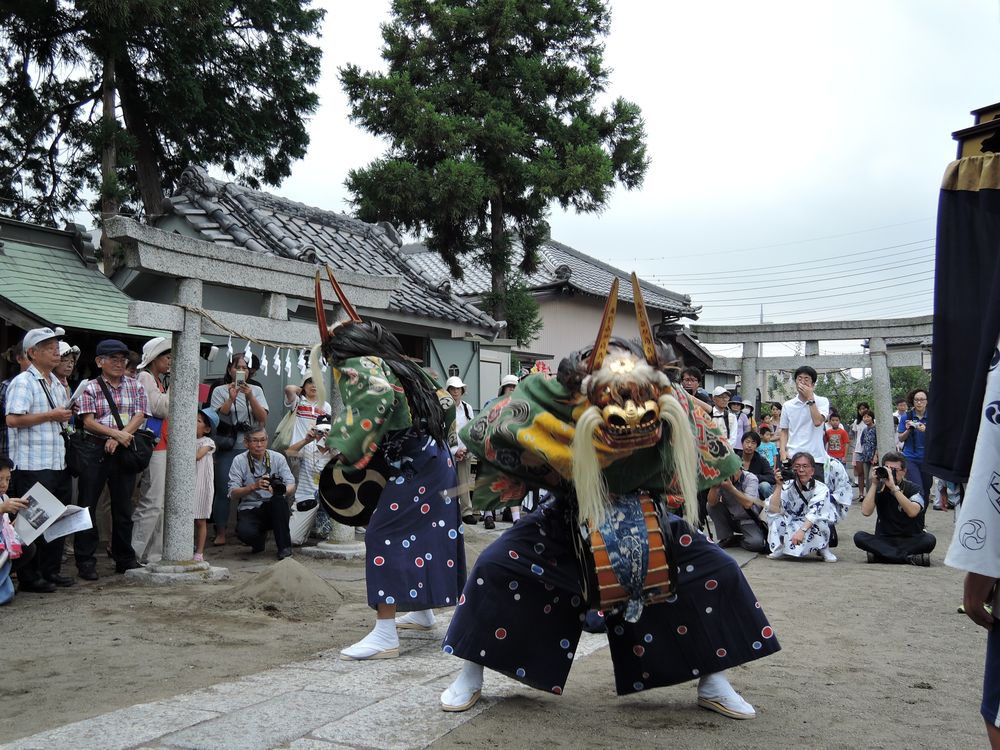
{"x":257,"y":440}
{"x":116,"y":359}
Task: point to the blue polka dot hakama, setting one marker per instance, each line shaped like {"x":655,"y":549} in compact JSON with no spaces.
{"x":522,"y":612}
{"x":414,"y":543}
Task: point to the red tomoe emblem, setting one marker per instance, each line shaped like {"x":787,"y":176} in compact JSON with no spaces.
{"x":451,"y":563}
{"x":720,"y":653}
{"x":425,"y":508}
{"x":461,"y":599}
{"x":513,"y":555}
{"x":379,"y":560}
{"x":711,"y":584}
{"x":685,"y":540}
{"x":767,"y":631}
{"x":394,"y":506}
{"x":419,"y":562}
{"x":682,"y":630}
{"x":501,"y":633}
{"x":366,"y":424}
{"x":638,"y":650}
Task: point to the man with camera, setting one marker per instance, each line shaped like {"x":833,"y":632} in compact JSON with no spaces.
{"x":260,"y":481}
{"x":899,"y":527}
{"x":313,"y":455}
{"x":800,"y":512}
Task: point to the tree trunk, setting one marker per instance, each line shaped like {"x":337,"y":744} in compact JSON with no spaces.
{"x":498,"y":258}
{"x":147,"y":166}
{"x":109,"y":159}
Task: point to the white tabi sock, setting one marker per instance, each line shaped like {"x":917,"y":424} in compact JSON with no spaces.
{"x":515,"y":513}
{"x":464,"y":692}
{"x":382,"y":638}
{"x":715,"y":686}
{"x":423,"y":618}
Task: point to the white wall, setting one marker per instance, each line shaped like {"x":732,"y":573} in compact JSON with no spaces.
{"x":571,"y":323}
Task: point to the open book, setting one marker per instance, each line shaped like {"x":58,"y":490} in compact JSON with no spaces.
{"x":45,"y":515}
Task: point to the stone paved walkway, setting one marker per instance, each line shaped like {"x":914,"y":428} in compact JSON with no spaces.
{"x":320,"y":704}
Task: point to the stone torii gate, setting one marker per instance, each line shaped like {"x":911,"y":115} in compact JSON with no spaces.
{"x":878,"y":359}
{"x":192,"y":263}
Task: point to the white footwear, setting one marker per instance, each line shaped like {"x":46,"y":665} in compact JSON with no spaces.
{"x":827,"y":555}
{"x":465,"y":691}
{"x":716,"y":694}
{"x":455,"y":699}
{"x":732,"y":706}
{"x":419,"y":620}
{"x":776,"y":555}
{"x":381,"y":643}
{"x":362,"y":650}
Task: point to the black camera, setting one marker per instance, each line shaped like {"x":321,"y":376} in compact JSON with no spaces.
{"x":277,"y":485}
{"x":244,"y":427}
{"x":881,"y":472}
{"x":786,"y":470}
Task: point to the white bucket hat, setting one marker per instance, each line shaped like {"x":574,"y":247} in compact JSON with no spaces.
{"x":455,"y":382}
{"x":153,"y":349}
{"x":509,"y":380}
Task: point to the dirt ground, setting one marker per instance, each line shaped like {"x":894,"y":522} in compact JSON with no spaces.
{"x":873,"y":656}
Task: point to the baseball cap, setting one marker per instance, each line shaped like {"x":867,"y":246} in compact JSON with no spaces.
{"x":720,"y":391}
{"x":37,"y":335}
{"x":111,"y":346}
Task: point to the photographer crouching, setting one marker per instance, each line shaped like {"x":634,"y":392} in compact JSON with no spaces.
{"x":260,"y":481}
{"x":899,"y":526}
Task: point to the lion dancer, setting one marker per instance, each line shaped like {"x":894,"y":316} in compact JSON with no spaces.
{"x":415,"y":553}
{"x":607,"y":430}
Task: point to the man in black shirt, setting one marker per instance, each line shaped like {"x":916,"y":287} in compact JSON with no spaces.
{"x":899,"y":528}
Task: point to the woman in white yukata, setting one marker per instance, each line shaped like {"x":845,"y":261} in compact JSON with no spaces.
{"x":800,"y":512}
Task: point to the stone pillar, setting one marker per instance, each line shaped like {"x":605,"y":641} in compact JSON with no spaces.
{"x":883,"y":398}
{"x":748,"y":373}
{"x":178,"y":512}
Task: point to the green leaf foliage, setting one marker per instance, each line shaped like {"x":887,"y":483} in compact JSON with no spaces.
{"x":524,"y":322}
{"x":846,"y":394}
{"x":489,"y":111}
{"x":212,"y":82}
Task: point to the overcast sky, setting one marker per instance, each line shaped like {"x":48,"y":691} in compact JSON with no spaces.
{"x":797,"y":147}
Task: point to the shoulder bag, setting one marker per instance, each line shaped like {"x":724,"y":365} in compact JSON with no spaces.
{"x":79,"y":451}
{"x":134,"y":457}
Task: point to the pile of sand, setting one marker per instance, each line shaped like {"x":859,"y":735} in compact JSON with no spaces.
{"x":287,"y":587}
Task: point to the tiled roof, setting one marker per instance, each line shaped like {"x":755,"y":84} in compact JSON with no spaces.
{"x":235,"y":216}
{"x":559,"y":265}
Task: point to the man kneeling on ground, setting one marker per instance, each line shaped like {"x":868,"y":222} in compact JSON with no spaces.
{"x":260,"y":481}
{"x":735,"y":511}
{"x":899,"y":527}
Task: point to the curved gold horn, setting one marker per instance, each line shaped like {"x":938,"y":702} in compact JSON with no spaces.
{"x":324,"y":332}
{"x":642,"y":318}
{"x":600,"y":349}
{"x":345,"y":303}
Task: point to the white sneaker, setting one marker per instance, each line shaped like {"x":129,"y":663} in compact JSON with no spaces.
{"x":776,"y":555}
{"x":827,"y":555}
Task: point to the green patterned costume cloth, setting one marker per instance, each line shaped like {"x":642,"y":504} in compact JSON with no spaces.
{"x":525,"y":440}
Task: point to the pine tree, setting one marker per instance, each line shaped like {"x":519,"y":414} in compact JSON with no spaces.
{"x":490,"y":111}
{"x":147,"y":87}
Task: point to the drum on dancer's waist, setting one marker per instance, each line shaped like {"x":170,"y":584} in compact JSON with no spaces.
{"x":630,"y":556}
{"x":349,"y":495}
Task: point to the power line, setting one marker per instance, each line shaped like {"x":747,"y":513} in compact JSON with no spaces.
{"x":797,"y":242}
{"x":825,"y":310}
{"x":859,"y":289}
{"x":829,"y":269}
{"x":824,"y":282}
{"x":812,"y":262}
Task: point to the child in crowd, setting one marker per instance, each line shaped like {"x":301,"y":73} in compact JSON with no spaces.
{"x":768,"y":447}
{"x":204,"y":483}
{"x":10,"y":544}
{"x":836,"y":439}
{"x":869,"y":450}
